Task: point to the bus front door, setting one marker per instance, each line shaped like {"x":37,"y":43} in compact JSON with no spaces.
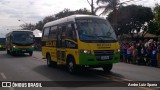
{"x":61,"y":46}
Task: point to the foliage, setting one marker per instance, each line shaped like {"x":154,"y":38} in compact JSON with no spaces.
{"x":67,"y":12}
{"x":40,"y":24}
{"x":157,"y":16}
{"x":153,"y":28}
{"x":107,"y":6}
{"x":64,"y":13}
{"x":61,"y":14}
{"x":27,"y":26}
{"x":132,"y":19}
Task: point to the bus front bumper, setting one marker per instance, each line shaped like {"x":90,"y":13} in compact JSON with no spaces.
{"x":22,"y":50}
{"x":92,"y":60}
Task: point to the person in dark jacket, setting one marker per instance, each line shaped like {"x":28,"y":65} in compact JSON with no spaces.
{"x":139,"y":48}
{"x":154,"y":57}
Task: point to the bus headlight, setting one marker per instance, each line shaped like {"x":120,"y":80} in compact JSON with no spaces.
{"x":85,"y":51}
{"x":14,"y":46}
{"x":117,"y":50}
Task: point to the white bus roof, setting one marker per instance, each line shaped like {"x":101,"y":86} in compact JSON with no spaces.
{"x":18,"y":31}
{"x":68,"y":19}
{"x":21,"y":30}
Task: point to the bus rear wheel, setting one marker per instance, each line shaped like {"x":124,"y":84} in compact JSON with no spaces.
{"x":107,"y":68}
{"x":8,"y":52}
{"x":48,"y":60}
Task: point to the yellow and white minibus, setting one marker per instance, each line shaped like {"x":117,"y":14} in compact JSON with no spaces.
{"x":80,"y":41}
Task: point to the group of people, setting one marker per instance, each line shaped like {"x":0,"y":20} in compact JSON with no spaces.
{"x":141,"y":52}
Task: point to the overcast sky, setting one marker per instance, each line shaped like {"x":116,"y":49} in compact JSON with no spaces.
{"x":32,"y":11}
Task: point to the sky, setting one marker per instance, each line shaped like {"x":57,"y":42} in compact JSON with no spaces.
{"x":32,"y":11}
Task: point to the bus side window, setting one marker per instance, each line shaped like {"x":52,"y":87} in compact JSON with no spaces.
{"x":63,"y":35}
{"x":71,"y":32}
{"x":46,"y":33}
{"x":53,"y":31}
{"x":63,"y":31}
{"x":59,"y":36}
{"x":74,"y":32}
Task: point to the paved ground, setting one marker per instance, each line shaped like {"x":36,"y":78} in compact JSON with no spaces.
{"x":33,"y":68}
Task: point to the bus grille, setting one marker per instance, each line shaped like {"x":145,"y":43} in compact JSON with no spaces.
{"x":104,"y":54}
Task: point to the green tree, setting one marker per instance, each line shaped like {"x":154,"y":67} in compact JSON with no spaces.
{"x":107,"y":5}
{"x":153,"y":28}
{"x":40,"y":24}
{"x":157,"y":16}
{"x":132,"y":18}
{"x":27,"y":26}
{"x":68,"y":12}
{"x":64,"y":13}
{"x":83,"y":11}
{"x":61,"y":14}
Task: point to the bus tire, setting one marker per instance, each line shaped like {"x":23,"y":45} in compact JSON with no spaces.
{"x":50,"y":63}
{"x":107,"y":68}
{"x":48,"y":60}
{"x":71,"y":66}
{"x":12,"y":53}
{"x":8,"y":52}
{"x":30,"y":53}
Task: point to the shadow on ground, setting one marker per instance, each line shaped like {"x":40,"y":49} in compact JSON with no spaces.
{"x":60,"y":77}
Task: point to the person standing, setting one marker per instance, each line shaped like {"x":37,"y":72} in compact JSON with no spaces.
{"x":143,"y":52}
{"x":139,"y":48}
{"x":154,"y":57}
{"x":129,"y":53}
{"x":134,"y":53}
{"x":126,"y":46}
{"x":149,"y":53}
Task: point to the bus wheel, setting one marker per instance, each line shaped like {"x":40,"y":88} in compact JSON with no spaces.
{"x":30,"y":53}
{"x":11,"y":53}
{"x":107,"y":68}
{"x":8,"y":52}
{"x":48,"y":60}
{"x":71,"y":65}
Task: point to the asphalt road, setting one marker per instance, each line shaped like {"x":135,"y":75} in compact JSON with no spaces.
{"x":34,"y":68}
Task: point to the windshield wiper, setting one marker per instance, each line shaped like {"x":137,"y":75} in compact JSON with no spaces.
{"x":107,"y":37}
{"x":110,"y":33}
{"x":95,"y":36}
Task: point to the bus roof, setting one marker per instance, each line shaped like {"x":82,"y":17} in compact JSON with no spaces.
{"x":21,"y":30}
{"x":18,"y":31}
{"x":70,"y":18}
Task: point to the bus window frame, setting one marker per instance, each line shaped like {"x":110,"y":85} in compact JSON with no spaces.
{"x":73,"y":31}
{"x":50,"y":32}
{"x":61,"y":36}
{"x":43,"y":37}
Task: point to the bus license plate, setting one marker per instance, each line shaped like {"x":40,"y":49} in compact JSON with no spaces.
{"x":104,"y":57}
{"x":23,"y":50}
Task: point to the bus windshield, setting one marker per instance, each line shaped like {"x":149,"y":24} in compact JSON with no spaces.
{"x":23,"y":38}
{"x":2,"y":40}
{"x":95,"y":30}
